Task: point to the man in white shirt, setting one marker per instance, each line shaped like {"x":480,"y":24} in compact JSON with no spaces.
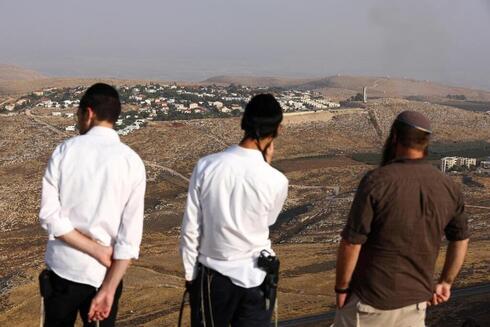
{"x":92,"y":208}
{"x":234,"y":196}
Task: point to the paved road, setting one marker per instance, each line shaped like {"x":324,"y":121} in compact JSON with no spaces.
{"x":328,"y":316}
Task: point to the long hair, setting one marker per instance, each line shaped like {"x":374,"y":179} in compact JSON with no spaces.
{"x":389,"y":149}
{"x":406,"y":136}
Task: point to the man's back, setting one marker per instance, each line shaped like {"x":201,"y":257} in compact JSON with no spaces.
{"x":95,"y":176}
{"x":405,"y":207}
{"x":239,"y":195}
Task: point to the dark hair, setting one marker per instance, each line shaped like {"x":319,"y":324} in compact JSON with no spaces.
{"x":262,"y":117}
{"x":104,"y":101}
{"x":406,"y":135}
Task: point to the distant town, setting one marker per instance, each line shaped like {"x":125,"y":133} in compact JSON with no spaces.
{"x":462,"y":164}
{"x":142,"y":103}
{"x":164,"y":102}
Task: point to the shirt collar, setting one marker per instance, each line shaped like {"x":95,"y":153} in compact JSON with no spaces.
{"x":408,"y":160}
{"x":103,"y":131}
{"x":244,"y":152}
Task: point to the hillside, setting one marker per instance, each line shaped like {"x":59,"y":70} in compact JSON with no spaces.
{"x":255,"y":81}
{"x":394,"y":87}
{"x":341,"y":87}
{"x":16,"y":73}
{"x":318,"y":152}
{"x":23,"y":86}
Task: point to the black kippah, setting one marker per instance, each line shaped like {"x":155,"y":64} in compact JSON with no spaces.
{"x":416,"y":120}
{"x":262,"y":116}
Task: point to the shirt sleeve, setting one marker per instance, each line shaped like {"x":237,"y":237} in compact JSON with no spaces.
{"x":191,"y":228}
{"x":130,"y":231}
{"x":52,"y":218}
{"x":457,"y":229}
{"x":280,"y":198}
{"x":361,"y":214}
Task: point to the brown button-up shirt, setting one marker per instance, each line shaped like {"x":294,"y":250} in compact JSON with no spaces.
{"x":400,"y":213}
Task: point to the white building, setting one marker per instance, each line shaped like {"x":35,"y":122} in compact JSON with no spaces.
{"x":70,"y":128}
{"x":56,"y":113}
{"x":237,"y":107}
{"x":486,"y":163}
{"x":450,"y":162}
{"x":218,"y":104}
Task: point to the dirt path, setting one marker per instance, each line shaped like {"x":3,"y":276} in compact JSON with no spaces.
{"x":168,"y":170}
{"x":49,"y":126}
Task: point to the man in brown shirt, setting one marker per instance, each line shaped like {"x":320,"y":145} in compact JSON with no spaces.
{"x":390,"y":243}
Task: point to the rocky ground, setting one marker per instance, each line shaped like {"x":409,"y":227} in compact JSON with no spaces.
{"x":314,"y":151}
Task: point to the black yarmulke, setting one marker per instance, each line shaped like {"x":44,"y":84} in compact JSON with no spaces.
{"x":262,"y":116}
{"x":415,"y":120}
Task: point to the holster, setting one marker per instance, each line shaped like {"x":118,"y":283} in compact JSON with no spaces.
{"x":45,"y":287}
{"x":270,"y":264}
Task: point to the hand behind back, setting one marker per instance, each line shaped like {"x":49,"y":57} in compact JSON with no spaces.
{"x":442,"y":293}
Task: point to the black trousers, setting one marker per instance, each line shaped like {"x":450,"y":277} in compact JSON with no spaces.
{"x":215,"y":299}
{"x":68,"y":298}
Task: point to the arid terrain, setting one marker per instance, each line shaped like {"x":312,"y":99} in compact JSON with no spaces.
{"x":319,"y":153}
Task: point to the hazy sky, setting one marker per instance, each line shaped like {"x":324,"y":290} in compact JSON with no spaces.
{"x":442,"y":40}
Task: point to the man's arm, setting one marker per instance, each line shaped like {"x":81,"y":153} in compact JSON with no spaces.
{"x":51,"y":216}
{"x":347,"y":257}
{"x":191,"y":229}
{"x":101,"y":305}
{"x":56,"y":221}
{"x":130,"y":232}
{"x":279,"y":201}
{"x":354,"y":234}
{"x":126,"y":247}
{"x":457,"y":233}
{"x":87,"y":245}
{"x":455,"y":255}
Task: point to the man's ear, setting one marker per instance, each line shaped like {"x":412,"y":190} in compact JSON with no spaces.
{"x":90,"y":114}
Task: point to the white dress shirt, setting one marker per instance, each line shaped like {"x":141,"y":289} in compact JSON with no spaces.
{"x":234,"y":196}
{"x":95,"y":184}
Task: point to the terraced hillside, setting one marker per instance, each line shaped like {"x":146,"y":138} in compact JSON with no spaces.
{"x":315,"y":152}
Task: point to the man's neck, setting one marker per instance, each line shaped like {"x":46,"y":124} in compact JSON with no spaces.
{"x":103,"y":124}
{"x":409,"y":153}
{"x":249,"y":143}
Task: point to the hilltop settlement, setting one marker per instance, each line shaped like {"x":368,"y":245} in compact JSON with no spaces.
{"x":155,"y":101}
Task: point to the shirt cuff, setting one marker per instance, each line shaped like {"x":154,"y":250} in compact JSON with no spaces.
{"x":458,"y":236}
{"x":353,"y":237}
{"x":190,"y":276}
{"x":60,"y":227}
{"x":125,"y":252}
